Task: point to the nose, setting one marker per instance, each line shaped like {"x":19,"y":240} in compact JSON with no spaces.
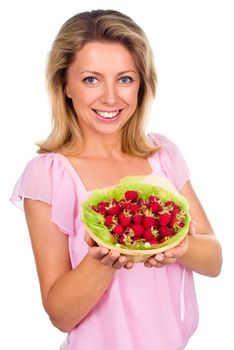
{"x":109,"y":93}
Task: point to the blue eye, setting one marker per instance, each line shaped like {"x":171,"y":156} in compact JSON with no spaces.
{"x":90,"y":80}
{"x":126,"y":80}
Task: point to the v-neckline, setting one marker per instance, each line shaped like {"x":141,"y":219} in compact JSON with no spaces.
{"x":81,"y":186}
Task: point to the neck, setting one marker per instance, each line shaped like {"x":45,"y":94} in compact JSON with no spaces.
{"x":102,"y":146}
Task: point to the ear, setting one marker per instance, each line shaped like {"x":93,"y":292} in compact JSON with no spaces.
{"x":67,"y":92}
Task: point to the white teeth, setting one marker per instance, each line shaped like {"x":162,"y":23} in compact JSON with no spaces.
{"x":107,"y":114}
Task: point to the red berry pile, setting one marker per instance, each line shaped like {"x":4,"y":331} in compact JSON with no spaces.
{"x":134,"y":219}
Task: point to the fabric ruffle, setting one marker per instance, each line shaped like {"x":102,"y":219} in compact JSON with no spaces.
{"x":172,"y":161}
{"x":45,"y":179}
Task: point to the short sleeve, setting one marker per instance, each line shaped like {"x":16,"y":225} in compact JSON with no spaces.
{"x":45,"y":179}
{"x":172,"y":159}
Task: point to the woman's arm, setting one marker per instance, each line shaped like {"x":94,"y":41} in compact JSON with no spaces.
{"x":204,"y":254}
{"x":67,"y":295}
{"x":201,"y":251}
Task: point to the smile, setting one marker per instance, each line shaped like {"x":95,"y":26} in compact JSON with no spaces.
{"x":108,"y":115}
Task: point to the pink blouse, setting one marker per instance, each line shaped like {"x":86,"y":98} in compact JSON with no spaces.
{"x":143,"y":308}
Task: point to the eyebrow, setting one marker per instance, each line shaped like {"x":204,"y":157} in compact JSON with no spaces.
{"x":98,"y":73}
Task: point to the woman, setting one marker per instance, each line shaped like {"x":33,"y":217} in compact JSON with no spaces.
{"x":101,"y":79}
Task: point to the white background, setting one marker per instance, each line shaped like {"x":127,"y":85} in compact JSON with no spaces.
{"x":193,"y":47}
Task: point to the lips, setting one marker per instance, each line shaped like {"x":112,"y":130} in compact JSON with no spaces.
{"x":107,"y":114}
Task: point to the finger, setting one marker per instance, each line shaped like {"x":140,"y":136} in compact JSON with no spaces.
{"x":129,"y":265}
{"x":98,"y":252}
{"x":147,"y":264}
{"x":170,"y":254}
{"x":110,"y":258}
{"x":156,"y":263}
{"x":168,"y":261}
{"x":120,"y":262}
{"x":178,"y":251}
{"x":160,"y":260}
{"x":158,"y":257}
{"x":192,"y":228}
{"x":89,"y":240}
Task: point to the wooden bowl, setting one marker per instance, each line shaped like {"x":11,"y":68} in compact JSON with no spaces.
{"x":136,"y":255}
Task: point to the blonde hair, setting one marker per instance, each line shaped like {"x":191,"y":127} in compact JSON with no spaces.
{"x":97,"y":25}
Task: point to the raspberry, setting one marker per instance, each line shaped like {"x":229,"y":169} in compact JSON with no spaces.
{"x":137,"y":230}
{"x":114,"y":209}
{"x":134,"y":208}
{"x":172,"y":204}
{"x":164,"y":218}
{"x":148,"y":235}
{"x":108,"y":220}
{"x":149,"y":221}
{"x":118,"y":230}
{"x":165,"y":231}
{"x":131,"y":195}
{"x":137,"y":219}
{"x":103,"y":204}
{"x":153,"y":199}
{"x":124,"y":219}
{"x":102,"y":210}
{"x":155,"y":207}
{"x":154,"y":241}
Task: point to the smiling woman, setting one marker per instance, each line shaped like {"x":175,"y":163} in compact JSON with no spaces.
{"x":120,"y":60}
{"x":101,"y":78}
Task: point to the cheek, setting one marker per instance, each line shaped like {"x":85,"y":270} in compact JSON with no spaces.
{"x":130,"y":96}
{"x":88,"y":96}
{"x":82,"y":99}
{"x":134,"y":98}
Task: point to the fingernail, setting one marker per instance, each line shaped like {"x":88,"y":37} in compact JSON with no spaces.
{"x":115,"y":255}
{"x":105,"y":251}
{"x":169,"y":254}
{"x":129,"y":265}
{"x":122,"y":260}
{"x":159,"y":258}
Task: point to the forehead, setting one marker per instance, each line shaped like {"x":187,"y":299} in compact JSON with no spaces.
{"x":99,"y":56}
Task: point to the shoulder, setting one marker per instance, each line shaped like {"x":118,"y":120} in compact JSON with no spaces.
{"x":43,"y":176}
{"x":38,"y":165}
{"x":166,"y":145}
{"x":162,"y":140}
{"x":39,"y":171}
{"x":48,"y":165}
{"x":50,"y":170}
{"x":172,"y":159}
{"x":41,"y":161}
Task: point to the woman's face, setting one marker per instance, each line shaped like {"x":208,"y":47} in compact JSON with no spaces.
{"x":103,"y":83}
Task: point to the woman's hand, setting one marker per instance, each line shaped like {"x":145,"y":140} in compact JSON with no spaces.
{"x":107,"y":256}
{"x":170,"y":256}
